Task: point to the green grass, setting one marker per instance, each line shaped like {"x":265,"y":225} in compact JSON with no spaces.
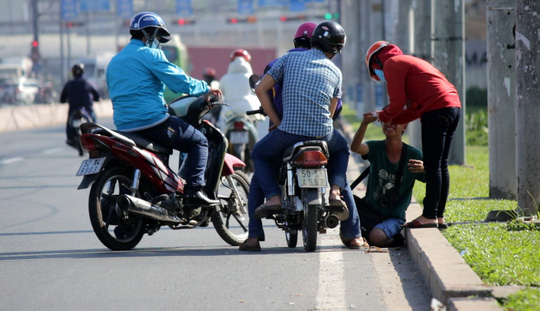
{"x":498,"y":252}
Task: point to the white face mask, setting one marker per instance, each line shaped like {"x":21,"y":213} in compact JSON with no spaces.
{"x":155,"y":44}
{"x":380,"y":74}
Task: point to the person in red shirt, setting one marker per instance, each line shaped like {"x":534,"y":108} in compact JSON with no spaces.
{"x":416,"y":89}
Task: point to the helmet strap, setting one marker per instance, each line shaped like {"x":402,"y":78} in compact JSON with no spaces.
{"x":150,"y":38}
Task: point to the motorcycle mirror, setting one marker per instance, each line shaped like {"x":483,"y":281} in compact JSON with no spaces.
{"x":253,"y":80}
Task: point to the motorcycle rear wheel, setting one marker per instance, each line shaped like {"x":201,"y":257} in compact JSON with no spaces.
{"x":230,"y":219}
{"x":113,"y":230}
{"x":309,"y":228}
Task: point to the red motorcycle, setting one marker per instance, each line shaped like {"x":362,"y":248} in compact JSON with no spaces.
{"x":134,"y":191}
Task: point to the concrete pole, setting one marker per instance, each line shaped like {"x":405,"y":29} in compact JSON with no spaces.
{"x":528,"y":110}
{"x":501,"y":72}
{"x":365,"y":86}
{"x":449,"y":57}
{"x":352,"y":53}
{"x":421,"y":48}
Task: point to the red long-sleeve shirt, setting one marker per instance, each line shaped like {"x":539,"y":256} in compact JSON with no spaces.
{"x":414,"y":88}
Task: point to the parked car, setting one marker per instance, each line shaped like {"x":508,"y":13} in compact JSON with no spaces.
{"x":22,"y":91}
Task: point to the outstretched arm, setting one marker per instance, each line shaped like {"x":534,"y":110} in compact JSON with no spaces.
{"x":357,"y":144}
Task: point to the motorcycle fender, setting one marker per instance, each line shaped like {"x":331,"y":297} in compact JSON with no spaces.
{"x":230,"y":163}
{"x":313,"y":197}
{"x":87,"y":181}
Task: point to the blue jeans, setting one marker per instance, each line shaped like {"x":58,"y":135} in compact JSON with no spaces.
{"x":350,"y":228}
{"x":390,"y":226}
{"x":178,"y":134}
{"x":337,"y":167}
{"x":438,"y":127}
{"x":270,"y":149}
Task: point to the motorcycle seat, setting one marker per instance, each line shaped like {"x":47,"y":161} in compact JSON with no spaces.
{"x":127,"y":138}
{"x":147,"y":144}
{"x":295,"y":149}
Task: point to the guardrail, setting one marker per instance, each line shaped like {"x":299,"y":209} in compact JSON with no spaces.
{"x":13,"y":118}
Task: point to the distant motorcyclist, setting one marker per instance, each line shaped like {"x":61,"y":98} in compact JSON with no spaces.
{"x":235,"y":87}
{"x":78,"y":93}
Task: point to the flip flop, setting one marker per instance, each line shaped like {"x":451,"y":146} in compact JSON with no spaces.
{"x":416,"y":224}
{"x":245,"y":247}
{"x":264,"y":210}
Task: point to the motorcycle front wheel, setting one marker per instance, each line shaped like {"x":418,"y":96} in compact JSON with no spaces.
{"x":230,"y":218}
{"x":110,"y":226}
{"x":292,"y":237}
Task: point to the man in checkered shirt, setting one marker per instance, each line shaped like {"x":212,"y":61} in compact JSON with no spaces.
{"x":311,"y":89}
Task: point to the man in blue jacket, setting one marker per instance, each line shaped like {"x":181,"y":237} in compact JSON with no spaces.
{"x":136,"y":78}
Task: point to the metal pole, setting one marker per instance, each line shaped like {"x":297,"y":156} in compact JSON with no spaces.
{"x":527,"y":112}
{"x":62,"y":57}
{"x":501,"y":17}
{"x":449,"y":44}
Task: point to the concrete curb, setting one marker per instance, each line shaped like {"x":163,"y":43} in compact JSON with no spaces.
{"x":449,"y":278}
{"x":14,"y":118}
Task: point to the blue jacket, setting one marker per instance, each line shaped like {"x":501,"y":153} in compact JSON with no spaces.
{"x":136,"y":78}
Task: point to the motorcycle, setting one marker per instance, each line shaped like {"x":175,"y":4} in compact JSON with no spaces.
{"x":76,"y":119}
{"x":135,"y":192}
{"x":241,"y":131}
{"x":303,"y":180}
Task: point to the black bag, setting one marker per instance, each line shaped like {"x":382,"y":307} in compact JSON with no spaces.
{"x":369,"y":217}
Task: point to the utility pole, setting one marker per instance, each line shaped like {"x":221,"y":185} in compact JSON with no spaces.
{"x":528,"y":110}
{"x":449,"y":44}
{"x":501,"y":73}
{"x":352,"y":52}
{"x":35,"y":55}
{"x":421,"y":48}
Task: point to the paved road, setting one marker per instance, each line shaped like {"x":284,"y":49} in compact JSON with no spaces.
{"x":51,"y":259}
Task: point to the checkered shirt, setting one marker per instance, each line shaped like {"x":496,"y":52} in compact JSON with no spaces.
{"x":310,"y":81}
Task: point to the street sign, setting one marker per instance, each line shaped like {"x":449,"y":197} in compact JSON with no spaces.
{"x":245,"y":7}
{"x":124,"y":8}
{"x":68,"y":9}
{"x":95,"y":5}
{"x":183,"y":8}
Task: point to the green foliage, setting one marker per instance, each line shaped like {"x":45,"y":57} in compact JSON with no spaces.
{"x":476,"y":97}
{"x":524,"y":300}
{"x":476,"y":127}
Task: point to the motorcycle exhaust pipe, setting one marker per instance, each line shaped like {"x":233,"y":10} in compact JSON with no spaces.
{"x":131,"y":204}
{"x":331,"y":221}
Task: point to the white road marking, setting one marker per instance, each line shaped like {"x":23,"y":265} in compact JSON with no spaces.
{"x":332,"y":288}
{"x":11,"y":160}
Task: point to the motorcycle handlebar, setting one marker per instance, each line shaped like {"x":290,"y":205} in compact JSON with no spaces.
{"x":252,"y":112}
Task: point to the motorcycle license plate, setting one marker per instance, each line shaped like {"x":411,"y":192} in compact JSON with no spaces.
{"x":311,"y":178}
{"x":239,"y":137}
{"x":90,"y":166}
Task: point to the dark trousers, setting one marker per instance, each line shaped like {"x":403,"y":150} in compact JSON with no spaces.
{"x":70,"y":130}
{"x":178,"y":134}
{"x":438,"y":127}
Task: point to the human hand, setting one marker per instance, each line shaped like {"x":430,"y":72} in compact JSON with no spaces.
{"x":371,"y":117}
{"x":213,"y":93}
{"x":416,"y":166}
